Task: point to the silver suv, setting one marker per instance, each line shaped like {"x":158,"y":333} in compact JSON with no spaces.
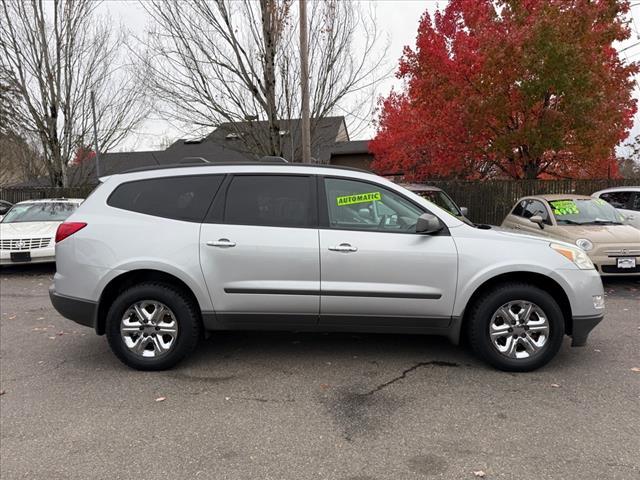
{"x":154,"y":258}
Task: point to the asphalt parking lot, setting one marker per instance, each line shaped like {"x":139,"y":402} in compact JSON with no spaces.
{"x":302,"y":406}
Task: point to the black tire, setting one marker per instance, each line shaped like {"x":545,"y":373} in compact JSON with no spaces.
{"x":483,"y":310}
{"x":186,"y":315}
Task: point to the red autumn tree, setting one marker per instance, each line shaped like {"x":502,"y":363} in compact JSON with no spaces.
{"x":510,"y":88}
{"x":82,"y":155}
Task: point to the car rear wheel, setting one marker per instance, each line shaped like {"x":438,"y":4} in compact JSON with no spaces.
{"x":516,"y":327}
{"x":152,"y":326}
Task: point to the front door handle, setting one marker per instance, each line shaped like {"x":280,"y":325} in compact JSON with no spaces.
{"x":222,"y":243}
{"x":344,"y":247}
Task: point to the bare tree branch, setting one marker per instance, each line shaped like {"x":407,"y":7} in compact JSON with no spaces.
{"x":236,"y":61}
{"x":53,"y":54}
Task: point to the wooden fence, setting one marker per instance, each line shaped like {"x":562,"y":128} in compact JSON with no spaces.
{"x":19,"y":194}
{"x":487,"y":201}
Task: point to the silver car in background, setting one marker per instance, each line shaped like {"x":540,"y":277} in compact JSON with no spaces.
{"x":154,"y":258}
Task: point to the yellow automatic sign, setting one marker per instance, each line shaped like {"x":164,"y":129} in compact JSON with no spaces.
{"x":358,"y":198}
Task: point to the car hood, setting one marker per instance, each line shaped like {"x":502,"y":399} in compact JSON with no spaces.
{"x":598,"y":233}
{"x":28,"y":230}
{"x":512,"y":235}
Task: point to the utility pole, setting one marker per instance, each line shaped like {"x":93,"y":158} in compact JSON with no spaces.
{"x":304,"y":83}
{"x":95,"y":133}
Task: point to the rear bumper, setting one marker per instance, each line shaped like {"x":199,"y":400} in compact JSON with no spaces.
{"x":582,"y":326}
{"x":78,"y":310}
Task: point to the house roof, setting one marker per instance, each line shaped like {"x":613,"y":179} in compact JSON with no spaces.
{"x":352,"y":147}
{"x":228,"y":143}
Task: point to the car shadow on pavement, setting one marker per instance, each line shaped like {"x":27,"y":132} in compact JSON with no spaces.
{"x":28,"y":269}
{"x":291,"y":348}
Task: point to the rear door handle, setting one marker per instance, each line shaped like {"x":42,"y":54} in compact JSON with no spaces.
{"x":222,"y":243}
{"x":344,"y":247}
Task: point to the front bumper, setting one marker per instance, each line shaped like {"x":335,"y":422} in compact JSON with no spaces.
{"x":38,"y":255}
{"x":608,"y":265}
{"x":80,"y":311}
{"x":581,"y":328}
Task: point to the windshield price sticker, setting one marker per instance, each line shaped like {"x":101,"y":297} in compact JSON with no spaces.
{"x":565,"y":207}
{"x":358,"y":198}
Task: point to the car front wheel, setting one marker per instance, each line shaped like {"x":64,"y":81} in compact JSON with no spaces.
{"x":152,"y":326}
{"x":516,"y":327}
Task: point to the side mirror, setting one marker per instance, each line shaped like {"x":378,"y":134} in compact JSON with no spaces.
{"x":428,"y":224}
{"x":537,"y":219}
{"x":464,"y":211}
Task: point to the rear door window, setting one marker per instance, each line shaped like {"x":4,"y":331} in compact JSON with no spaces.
{"x":184,"y":198}
{"x":271,"y":200}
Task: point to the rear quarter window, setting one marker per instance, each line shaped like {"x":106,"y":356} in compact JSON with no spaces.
{"x":179,"y":198}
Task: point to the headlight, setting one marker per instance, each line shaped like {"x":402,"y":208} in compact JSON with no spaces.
{"x":584,"y":244}
{"x":576,"y":255}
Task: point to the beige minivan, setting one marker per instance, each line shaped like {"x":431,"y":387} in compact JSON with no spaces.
{"x":590,"y":223}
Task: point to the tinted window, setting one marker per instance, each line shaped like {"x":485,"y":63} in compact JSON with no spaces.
{"x":636,"y":203}
{"x":180,"y":198}
{"x":270,"y":200}
{"x":364,"y":206}
{"x":617,"y":199}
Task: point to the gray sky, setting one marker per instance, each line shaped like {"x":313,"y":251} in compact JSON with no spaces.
{"x":397,"y":18}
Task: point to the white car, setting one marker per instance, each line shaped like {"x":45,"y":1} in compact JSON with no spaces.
{"x":28,"y":230}
{"x":625,"y":199}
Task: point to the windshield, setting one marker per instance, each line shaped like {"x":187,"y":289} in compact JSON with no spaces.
{"x":442,"y":200}
{"x":39,"y":212}
{"x":592,"y":211}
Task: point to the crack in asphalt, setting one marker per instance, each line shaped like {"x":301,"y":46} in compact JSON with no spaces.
{"x":403,"y":375}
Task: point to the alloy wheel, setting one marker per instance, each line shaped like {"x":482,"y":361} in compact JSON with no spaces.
{"x":519,"y":329}
{"x":149,"y":328}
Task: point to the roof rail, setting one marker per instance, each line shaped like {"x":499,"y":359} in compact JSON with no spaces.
{"x":191,"y":160}
{"x":273,"y":159}
{"x":231,"y":164}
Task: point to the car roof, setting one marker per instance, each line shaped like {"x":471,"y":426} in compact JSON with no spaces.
{"x":264,"y":164}
{"x":244,"y":168}
{"x":560,"y":196}
{"x":52,"y":200}
{"x":628,"y":188}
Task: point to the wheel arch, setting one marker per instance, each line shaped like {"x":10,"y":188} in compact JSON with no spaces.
{"x":127,"y":279}
{"x":541,"y":281}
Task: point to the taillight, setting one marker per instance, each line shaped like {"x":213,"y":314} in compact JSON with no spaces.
{"x":67,"y":229}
